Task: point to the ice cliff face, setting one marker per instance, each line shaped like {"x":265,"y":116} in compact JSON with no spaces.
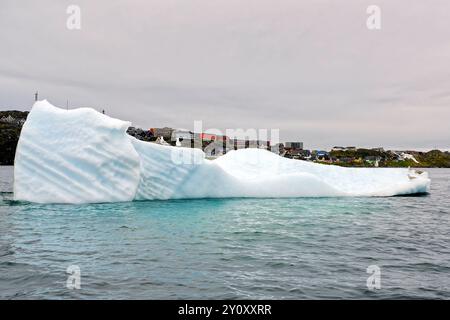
{"x":82,"y":156}
{"x":75,"y":156}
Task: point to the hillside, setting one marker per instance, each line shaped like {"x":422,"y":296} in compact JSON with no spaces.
{"x":10,"y":126}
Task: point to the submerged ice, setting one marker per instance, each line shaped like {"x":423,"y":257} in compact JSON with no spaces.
{"x":83,"y":156}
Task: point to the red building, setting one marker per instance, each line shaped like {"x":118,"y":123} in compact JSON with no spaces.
{"x":212,"y":137}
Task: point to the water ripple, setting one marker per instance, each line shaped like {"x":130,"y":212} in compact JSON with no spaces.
{"x":228,"y":248}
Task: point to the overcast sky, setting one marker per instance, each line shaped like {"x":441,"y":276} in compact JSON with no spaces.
{"x":309,"y":68}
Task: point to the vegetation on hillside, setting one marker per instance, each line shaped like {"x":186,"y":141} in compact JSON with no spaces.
{"x":355,"y":158}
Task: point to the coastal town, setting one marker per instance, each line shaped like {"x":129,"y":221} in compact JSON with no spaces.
{"x":217,"y":145}
{"x":350,"y":156}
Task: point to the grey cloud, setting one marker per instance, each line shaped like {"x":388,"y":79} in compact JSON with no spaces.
{"x":311,"y":69}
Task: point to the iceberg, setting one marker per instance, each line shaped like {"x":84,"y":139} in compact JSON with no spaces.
{"x":75,"y":156}
{"x":83,"y":156}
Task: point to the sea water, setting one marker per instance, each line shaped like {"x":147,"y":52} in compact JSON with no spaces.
{"x":81,"y":156}
{"x":291,"y":248}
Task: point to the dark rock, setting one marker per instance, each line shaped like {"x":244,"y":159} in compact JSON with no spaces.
{"x":11,"y":123}
{"x":138,"y":133}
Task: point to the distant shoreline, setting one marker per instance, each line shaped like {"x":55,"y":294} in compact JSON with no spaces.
{"x":11,"y":123}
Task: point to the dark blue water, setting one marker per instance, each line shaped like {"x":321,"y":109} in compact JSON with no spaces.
{"x":228,"y":249}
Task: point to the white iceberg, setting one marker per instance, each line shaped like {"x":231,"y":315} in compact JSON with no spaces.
{"x":74,"y":156}
{"x":83,"y":156}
